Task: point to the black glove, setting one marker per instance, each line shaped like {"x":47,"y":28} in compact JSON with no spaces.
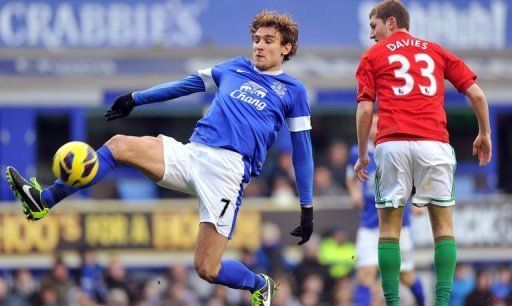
{"x":305,"y":229}
{"x":122,"y":107}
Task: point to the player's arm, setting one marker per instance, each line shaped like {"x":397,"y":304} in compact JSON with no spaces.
{"x":124,"y":104}
{"x":482,"y":144}
{"x":354,"y":186}
{"x":302,"y":159}
{"x":298,"y":119}
{"x":168,"y":91}
{"x":366,"y":94}
{"x":464,"y":80}
{"x":364,"y":117}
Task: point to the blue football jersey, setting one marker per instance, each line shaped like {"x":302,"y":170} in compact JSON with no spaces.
{"x":369,"y":217}
{"x":249,"y":109}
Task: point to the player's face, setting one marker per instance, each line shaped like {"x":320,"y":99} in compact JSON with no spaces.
{"x":379,"y":29}
{"x":267,"y":51}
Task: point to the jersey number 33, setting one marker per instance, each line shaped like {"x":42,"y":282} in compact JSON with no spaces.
{"x":403,"y":73}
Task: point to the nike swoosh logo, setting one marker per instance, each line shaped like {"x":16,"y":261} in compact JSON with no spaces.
{"x":220,"y":225}
{"x":241,"y":71}
{"x":26,"y":189}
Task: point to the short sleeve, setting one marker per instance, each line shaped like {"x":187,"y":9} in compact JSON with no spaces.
{"x":366,"y":90}
{"x":298,"y":117}
{"x":212,"y":76}
{"x":458,"y":73}
{"x":207,"y":76}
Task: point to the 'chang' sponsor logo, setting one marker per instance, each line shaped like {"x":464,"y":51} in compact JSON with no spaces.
{"x":249,"y":92}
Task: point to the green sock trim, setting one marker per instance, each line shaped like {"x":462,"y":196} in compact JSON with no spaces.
{"x":442,"y":238}
{"x":389,"y":267}
{"x":388,"y":240}
{"x":445,"y":259}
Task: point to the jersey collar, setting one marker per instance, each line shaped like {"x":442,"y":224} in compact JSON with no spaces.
{"x":268,"y":72}
{"x":399,"y":32}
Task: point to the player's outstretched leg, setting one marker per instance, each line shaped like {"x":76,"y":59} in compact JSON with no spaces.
{"x":144,"y":153}
{"x":37,"y":202}
{"x":59,"y":191}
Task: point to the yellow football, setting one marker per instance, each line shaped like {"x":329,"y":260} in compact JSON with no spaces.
{"x":75,"y":163}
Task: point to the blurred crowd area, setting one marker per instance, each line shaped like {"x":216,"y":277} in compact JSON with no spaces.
{"x":278,"y":180}
{"x":323,"y":275}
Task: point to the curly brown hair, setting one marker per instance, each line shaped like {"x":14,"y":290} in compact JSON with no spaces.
{"x":283,"y":24}
{"x":392,"y":8}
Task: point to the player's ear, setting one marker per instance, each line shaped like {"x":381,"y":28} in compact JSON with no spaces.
{"x":286,"y":49}
{"x":391,"y":23}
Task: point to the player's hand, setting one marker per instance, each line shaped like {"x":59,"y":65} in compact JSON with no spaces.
{"x":305,"y":229}
{"x":360,"y":167}
{"x":482,"y":148}
{"x":122,"y":107}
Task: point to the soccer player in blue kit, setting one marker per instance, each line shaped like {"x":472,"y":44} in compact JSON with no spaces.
{"x":367,"y":265}
{"x":229,"y":144}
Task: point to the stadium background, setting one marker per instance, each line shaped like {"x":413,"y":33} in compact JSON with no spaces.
{"x":63,"y":62}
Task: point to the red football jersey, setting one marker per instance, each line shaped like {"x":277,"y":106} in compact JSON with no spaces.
{"x":406,"y":76}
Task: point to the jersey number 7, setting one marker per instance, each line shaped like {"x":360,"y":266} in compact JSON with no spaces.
{"x":225,"y":207}
{"x":403,"y":73}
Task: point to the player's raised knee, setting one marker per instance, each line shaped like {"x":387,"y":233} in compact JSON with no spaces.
{"x":119,"y":145}
{"x":205,"y":271}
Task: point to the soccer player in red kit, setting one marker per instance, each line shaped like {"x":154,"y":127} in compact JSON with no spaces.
{"x":405,"y":74}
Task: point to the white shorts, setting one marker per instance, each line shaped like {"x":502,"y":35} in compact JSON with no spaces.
{"x":367,"y":242}
{"x":212,"y":174}
{"x":428,"y":165}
